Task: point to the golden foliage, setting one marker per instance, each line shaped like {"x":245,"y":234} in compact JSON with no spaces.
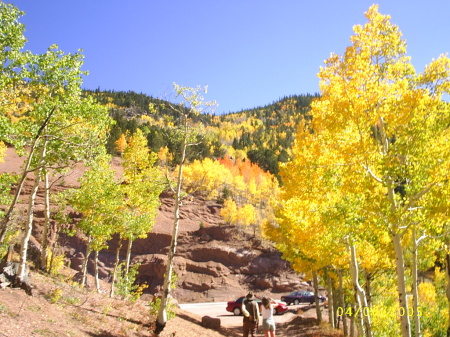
{"x":121,"y":144}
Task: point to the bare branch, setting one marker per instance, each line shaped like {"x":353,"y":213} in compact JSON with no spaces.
{"x":367,"y":168}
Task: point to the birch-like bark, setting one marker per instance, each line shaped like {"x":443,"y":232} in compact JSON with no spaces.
{"x":85,"y":262}
{"x":6,"y":221}
{"x":396,"y":238}
{"x":415,"y":283}
{"x":356,"y":319}
{"x":162,"y":313}
{"x":44,"y":243}
{"x":28,"y":229}
{"x":97,"y":280}
{"x":116,"y":265}
{"x":29,"y":225}
{"x":360,"y":293}
{"x":128,"y":258}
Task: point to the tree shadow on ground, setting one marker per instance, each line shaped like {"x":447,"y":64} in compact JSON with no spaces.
{"x":229,"y":332}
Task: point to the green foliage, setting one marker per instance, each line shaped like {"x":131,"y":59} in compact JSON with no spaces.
{"x":156,"y":303}
{"x":98,"y":199}
{"x":125,"y":283}
{"x":264,"y":134}
{"x":6,"y":181}
{"x":54,"y":296}
{"x":12,"y":235}
{"x":434,"y":306}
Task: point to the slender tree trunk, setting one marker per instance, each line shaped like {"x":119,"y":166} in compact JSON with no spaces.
{"x":28,"y":229}
{"x":128,"y":259}
{"x":316,"y":295}
{"x":53,"y":247}
{"x":342,"y":303}
{"x":10,"y":253}
{"x":116,"y":265}
{"x":369,"y":288}
{"x":360,"y":293}
{"x":5,"y":223}
{"x":352,"y":326}
{"x":162,"y":313}
{"x":97,"y":280}
{"x":330,"y":299}
{"x":85,"y":262}
{"x":44,"y":244}
{"x":396,"y":238}
{"x":29,"y":225}
{"x":401,"y":286}
{"x":356,"y":314}
{"x":415,"y":283}
{"x":335,"y":305}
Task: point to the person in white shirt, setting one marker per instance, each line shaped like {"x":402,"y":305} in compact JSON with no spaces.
{"x":268,"y":325}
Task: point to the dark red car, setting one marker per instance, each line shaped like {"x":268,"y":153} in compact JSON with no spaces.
{"x":235,"y":306}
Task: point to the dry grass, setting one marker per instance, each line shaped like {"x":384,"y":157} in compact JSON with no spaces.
{"x":59,"y":307}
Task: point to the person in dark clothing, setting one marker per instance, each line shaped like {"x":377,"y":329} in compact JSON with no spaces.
{"x":250,"y":311}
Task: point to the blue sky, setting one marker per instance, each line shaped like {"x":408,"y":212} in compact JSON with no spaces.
{"x":249,"y":53}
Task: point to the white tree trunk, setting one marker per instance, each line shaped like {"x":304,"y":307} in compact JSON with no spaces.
{"x":415,"y":283}
{"x":162,"y":313}
{"x":397,"y":240}
{"x":5,"y":223}
{"x":85,"y":262}
{"x":44,"y":244}
{"x":29,"y":225}
{"x":127,"y":266}
{"x":28,"y":229}
{"x":97,"y":281}
{"x":116,"y":265}
{"x":401,"y":286}
{"x":360,"y":293}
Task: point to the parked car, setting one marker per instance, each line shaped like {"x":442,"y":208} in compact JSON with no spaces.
{"x":235,"y":306}
{"x":301,"y":296}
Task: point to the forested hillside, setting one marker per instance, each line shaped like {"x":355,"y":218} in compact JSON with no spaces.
{"x":263,"y":135}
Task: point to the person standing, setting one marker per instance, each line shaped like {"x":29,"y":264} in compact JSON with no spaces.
{"x":250,"y":311}
{"x":268,"y":323}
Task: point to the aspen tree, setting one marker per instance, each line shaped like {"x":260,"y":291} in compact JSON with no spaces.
{"x":140,"y":190}
{"x":97,"y":199}
{"x":388,"y":129}
{"x":192,"y":105}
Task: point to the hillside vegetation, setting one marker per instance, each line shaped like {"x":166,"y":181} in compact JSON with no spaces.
{"x":350,"y":186}
{"x":263,"y":135}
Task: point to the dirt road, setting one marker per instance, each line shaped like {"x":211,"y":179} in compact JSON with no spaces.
{"x":227,"y":319}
